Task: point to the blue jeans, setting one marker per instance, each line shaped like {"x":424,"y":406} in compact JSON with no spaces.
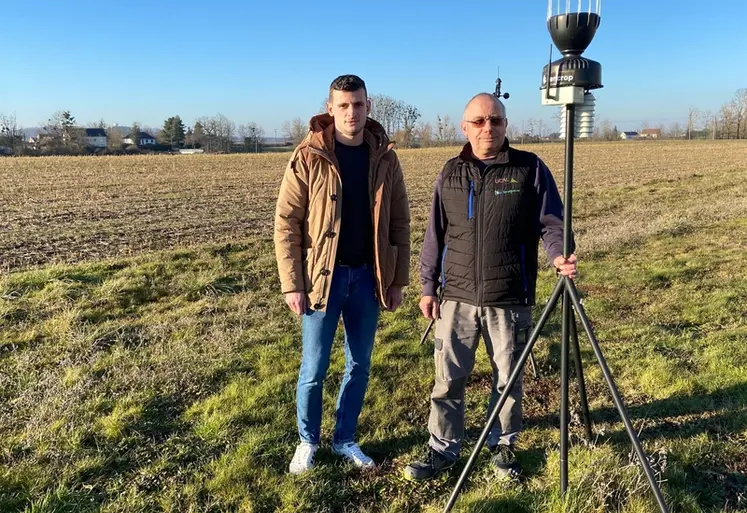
{"x":352,"y":294}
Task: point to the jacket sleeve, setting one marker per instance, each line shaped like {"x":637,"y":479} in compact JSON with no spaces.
{"x":399,"y":227}
{"x":550,"y":213}
{"x":290,"y":215}
{"x":434,"y":243}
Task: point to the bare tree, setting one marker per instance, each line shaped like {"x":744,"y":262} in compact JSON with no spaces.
{"x":424,"y":132}
{"x":707,"y":123}
{"x":446,"y":133}
{"x":693,"y":116}
{"x":513,"y":132}
{"x":252,"y":135}
{"x":11,"y":135}
{"x":115,"y":137}
{"x":529,"y":128}
{"x":210,"y":133}
{"x":385,"y":110}
{"x":728,"y":120}
{"x":409,"y":116}
{"x":738,"y":106}
{"x":295,"y":130}
{"x":227,"y":129}
{"x":675,"y":130}
{"x":61,"y":133}
{"x":661,"y":128}
{"x":217,"y":133}
{"x":605,"y":131}
{"x":559,"y":117}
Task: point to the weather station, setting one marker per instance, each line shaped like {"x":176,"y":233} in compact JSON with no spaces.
{"x":567,"y":83}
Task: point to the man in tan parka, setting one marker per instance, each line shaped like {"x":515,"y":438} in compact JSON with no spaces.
{"x":342,"y":243}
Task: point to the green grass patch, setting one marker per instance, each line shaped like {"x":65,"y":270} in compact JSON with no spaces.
{"x":166,"y":382}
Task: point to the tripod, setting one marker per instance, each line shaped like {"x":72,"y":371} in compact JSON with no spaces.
{"x":567,"y":288}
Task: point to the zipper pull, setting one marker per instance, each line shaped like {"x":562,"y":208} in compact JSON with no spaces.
{"x":471,"y":200}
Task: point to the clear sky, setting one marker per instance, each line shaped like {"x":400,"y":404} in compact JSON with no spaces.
{"x":271,"y":61}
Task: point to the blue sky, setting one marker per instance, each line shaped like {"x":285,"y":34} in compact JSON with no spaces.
{"x":269,"y":62}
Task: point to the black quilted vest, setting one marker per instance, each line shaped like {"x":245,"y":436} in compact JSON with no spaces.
{"x":493,"y":231}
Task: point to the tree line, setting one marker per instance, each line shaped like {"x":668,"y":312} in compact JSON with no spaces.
{"x":403,"y":122}
{"x":399,"y":119}
{"x":728,"y":122}
{"x":62,"y":135}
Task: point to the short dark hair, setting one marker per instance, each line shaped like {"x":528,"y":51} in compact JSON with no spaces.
{"x":347,"y":83}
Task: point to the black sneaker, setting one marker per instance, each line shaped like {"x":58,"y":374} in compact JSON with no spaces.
{"x":433,"y":463}
{"x":504,"y":462}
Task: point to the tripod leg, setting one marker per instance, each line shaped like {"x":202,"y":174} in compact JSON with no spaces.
{"x":581,"y":381}
{"x":533,"y":363}
{"x":571,"y":290}
{"x":427,"y":330}
{"x":504,"y":396}
{"x":564,"y":343}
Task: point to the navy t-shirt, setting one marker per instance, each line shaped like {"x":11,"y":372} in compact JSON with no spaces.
{"x":355,"y":247}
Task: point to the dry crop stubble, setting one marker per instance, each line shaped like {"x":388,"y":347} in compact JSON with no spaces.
{"x":71,"y":209}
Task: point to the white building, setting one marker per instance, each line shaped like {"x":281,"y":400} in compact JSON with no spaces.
{"x":96,"y":137}
{"x":629,"y":135}
{"x":143,"y":139}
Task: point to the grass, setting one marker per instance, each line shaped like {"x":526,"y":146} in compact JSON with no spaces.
{"x":161,"y":377}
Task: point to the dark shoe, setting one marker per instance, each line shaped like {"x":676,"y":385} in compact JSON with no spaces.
{"x":433,"y":463}
{"x":504,"y":462}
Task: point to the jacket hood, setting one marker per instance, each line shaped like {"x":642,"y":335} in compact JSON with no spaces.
{"x":321,"y":134}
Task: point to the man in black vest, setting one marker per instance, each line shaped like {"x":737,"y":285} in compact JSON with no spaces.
{"x":491,"y":205}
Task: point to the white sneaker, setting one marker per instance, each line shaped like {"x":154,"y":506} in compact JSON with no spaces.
{"x":351,"y":451}
{"x":303,"y":459}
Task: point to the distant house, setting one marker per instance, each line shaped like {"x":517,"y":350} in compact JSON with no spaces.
{"x":630,"y":135}
{"x":651,"y":133}
{"x":95,"y":137}
{"x":142,"y":138}
{"x":41,"y":140}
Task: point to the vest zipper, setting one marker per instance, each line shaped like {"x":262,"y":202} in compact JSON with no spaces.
{"x":471,"y":201}
{"x":524,"y":274}
{"x":478,"y":245}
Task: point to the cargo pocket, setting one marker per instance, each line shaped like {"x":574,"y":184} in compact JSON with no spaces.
{"x":438,"y":357}
{"x":522,"y":330}
{"x":453,"y":362}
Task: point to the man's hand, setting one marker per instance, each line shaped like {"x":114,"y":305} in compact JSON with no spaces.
{"x":296,"y":301}
{"x":393,"y":297}
{"x":430,"y":307}
{"x":566,"y":267}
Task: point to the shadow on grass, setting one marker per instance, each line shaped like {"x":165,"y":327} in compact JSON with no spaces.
{"x":720,"y":413}
{"x":388,"y":449}
{"x":713,"y":480}
{"x":503,"y":505}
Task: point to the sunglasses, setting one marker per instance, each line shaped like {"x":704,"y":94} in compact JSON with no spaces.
{"x":480,"y":122}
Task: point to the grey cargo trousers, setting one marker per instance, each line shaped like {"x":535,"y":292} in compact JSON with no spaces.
{"x":506,"y":331}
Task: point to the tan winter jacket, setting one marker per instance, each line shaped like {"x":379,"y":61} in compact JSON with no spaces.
{"x":307,"y":218}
